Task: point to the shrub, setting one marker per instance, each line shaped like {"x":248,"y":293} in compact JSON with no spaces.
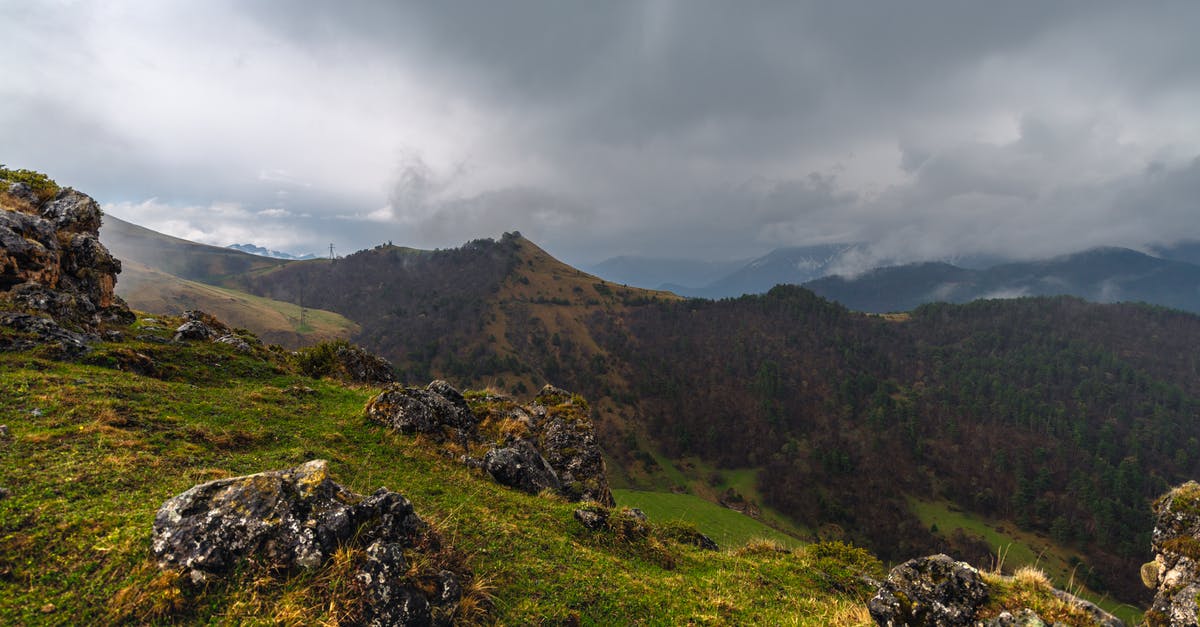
{"x":43,"y":186}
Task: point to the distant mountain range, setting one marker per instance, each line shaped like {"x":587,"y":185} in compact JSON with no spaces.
{"x":1164,"y":275}
{"x":274,"y":254}
{"x":793,"y":265}
{"x":1103,"y":275}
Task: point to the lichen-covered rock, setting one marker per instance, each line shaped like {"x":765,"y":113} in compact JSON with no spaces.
{"x":72,"y":212}
{"x":568,"y":442}
{"x":290,"y":518}
{"x":935,"y":591}
{"x":194,"y":330}
{"x":296,"y":519}
{"x":592,"y":517}
{"x":520,"y":466}
{"x":1175,"y":543}
{"x":434,"y":410}
{"x":238,"y":344}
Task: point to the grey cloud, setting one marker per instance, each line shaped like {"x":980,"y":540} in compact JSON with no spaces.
{"x":600,"y":128}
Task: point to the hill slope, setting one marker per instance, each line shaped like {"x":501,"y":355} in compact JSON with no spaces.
{"x":1060,"y":416}
{"x":847,"y":414}
{"x":276,"y":322}
{"x":93,"y":449}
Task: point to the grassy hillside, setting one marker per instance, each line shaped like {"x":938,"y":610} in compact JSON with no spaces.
{"x":1056,"y":415}
{"x":725,"y":526}
{"x":276,"y":322}
{"x":95,"y":449}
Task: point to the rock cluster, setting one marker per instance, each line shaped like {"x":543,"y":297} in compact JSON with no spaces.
{"x":52,"y":261}
{"x":548,"y":445}
{"x":202,"y":327}
{"x":296,"y":519}
{"x":939,"y":591}
{"x":1175,"y":572}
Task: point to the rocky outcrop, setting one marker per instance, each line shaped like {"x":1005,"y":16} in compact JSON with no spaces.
{"x":52,"y":261}
{"x":296,"y":519}
{"x":567,"y":440}
{"x":935,"y":591}
{"x":1175,"y":572}
{"x":550,"y":444}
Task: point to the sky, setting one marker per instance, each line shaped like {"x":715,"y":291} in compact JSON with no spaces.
{"x":691,"y":128}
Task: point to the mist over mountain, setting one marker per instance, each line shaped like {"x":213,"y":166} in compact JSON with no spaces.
{"x":1102,"y":275}
{"x":663,"y":273}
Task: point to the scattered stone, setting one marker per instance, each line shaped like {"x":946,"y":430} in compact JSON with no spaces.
{"x":434,"y":410}
{"x":301,"y":390}
{"x":238,"y":344}
{"x":520,"y":466}
{"x":153,"y":339}
{"x":5,"y":493}
{"x":193,"y":330}
{"x":934,"y":590}
{"x":49,"y":608}
{"x":36,"y":412}
{"x":4,"y":434}
{"x":592,"y":517}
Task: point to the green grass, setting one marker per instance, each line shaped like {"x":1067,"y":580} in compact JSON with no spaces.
{"x":1019,"y":548}
{"x":727,"y":527}
{"x":96,"y":449}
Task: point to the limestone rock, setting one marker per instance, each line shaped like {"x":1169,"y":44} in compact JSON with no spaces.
{"x":935,"y":591}
{"x":432,"y":410}
{"x":28,"y":250}
{"x":72,"y":212}
{"x":592,"y":517}
{"x":52,"y":261}
{"x":291,"y":518}
{"x":568,"y":442}
{"x":1176,"y":545}
{"x":194,"y":330}
{"x":520,"y":466}
{"x":239,"y":344}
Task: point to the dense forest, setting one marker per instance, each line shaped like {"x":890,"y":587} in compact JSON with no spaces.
{"x":1060,"y":415}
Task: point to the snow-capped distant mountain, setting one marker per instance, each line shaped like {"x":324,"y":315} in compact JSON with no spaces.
{"x":274,"y":254}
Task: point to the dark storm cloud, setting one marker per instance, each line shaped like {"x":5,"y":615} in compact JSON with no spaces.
{"x":603,"y":128}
